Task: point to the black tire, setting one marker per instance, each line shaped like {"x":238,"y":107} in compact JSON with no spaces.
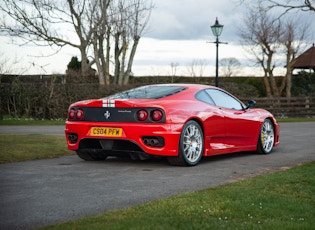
{"x":266,"y":137}
{"x":191,"y":145}
{"x":91,"y":154}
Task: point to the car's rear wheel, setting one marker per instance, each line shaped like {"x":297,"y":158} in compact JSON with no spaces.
{"x":91,"y":154}
{"x":266,"y":138}
{"x":191,"y":145}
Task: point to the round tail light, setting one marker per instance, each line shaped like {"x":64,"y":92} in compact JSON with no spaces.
{"x":156,"y":115}
{"x":142,"y":115}
{"x":80,"y":114}
{"x":71,"y":114}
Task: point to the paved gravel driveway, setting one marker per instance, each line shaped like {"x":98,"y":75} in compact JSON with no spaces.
{"x":26,"y":129}
{"x":43,"y":192}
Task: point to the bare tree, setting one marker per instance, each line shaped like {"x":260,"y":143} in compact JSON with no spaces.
{"x":229,"y":66}
{"x":289,"y":5}
{"x":12,"y":65}
{"x":100,"y":38}
{"x":291,"y":39}
{"x":5,"y":65}
{"x":260,"y":36}
{"x":139,"y":12}
{"x":44,"y":23}
{"x":174,"y":66}
{"x":95,"y":25}
{"x":129,"y":20}
{"x":286,"y":5}
{"x":197,"y":68}
{"x":269,"y":34}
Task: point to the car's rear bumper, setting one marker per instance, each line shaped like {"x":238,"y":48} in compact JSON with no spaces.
{"x":132,"y":133}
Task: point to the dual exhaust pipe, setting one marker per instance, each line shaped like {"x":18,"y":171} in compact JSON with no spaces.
{"x":153,"y":141}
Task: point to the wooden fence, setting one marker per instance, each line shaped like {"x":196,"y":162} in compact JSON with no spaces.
{"x":288,"y":107}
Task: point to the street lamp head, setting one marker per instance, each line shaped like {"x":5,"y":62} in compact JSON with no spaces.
{"x":217,"y":28}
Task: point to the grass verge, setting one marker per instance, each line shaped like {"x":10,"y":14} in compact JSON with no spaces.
{"x":14,"y":148}
{"x":296,"y":119}
{"x":282,"y":200}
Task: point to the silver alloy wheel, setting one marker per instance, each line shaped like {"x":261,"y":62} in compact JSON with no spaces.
{"x":192,"y":143}
{"x":267,"y":136}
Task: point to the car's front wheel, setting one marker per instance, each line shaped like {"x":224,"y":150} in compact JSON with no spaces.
{"x":191,"y":145}
{"x":266,"y":137}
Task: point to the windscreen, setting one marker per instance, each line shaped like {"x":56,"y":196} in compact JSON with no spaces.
{"x":148,"y":92}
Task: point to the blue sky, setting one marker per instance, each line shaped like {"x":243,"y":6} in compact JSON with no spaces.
{"x":178,"y":32}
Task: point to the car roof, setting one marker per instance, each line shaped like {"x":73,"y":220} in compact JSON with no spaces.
{"x":187,"y":85}
{"x":152,"y":91}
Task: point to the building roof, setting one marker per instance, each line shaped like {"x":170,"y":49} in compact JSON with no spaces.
{"x":306,"y":60}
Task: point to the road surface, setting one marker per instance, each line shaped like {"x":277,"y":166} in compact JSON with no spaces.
{"x":44,"y":192}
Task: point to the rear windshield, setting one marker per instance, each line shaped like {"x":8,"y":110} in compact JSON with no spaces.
{"x":148,"y":92}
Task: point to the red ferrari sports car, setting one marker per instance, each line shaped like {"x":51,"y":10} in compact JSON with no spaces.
{"x":182,"y":122}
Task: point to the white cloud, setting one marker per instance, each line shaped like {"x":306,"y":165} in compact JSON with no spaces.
{"x":188,"y":19}
{"x":179,"y":31}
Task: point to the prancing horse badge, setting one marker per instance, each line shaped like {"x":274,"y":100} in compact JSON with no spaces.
{"x":107,"y":114}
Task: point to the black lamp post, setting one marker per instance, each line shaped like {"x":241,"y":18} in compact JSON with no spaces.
{"x":217,"y":30}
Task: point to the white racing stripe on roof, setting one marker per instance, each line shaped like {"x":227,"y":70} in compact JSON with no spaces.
{"x":108,"y":103}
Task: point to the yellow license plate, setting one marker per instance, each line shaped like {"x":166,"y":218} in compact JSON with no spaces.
{"x":106,"y":132}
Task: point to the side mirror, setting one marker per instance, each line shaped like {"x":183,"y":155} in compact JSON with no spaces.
{"x":251,"y":103}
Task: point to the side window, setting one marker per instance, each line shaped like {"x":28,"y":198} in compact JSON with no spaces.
{"x":204,"y":97}
{"x":224,"y":100}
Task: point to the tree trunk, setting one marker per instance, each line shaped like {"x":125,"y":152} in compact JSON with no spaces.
{"x":123,"y":61}
{"x":102,"y":61}
{"x":266,"y":79}
{"x":273,"y":84}
{"x":130,"y":61}
{"x":107,"y":73}
{"x":84,"y":61}
{"x":267,"y":85}
{"x":98,"y":63}
{"x":286,"y":82}
{"x":117,"y":54}
{"x":288,"y":86}
{"x":100,"y":71}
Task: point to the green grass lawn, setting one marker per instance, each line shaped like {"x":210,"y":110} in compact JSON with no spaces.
{"x":282,"y":200}
{"x":296,"y":119}
{"x":14,"y":148}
